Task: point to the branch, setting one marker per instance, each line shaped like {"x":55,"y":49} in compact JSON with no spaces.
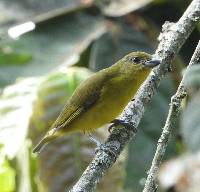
{"x":171,"y":39}
{"x":174,"y":110}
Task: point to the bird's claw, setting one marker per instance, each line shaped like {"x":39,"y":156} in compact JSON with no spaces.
{"x":116,"y":122}
{"x":110,"y":128}
{"x":102,"y":147}
{"x":95,"y":140}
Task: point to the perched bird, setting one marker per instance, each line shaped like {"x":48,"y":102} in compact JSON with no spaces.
{"x":102,"y":97}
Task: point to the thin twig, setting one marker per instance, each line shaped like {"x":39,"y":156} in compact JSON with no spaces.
{"x":174,"y":110}
{"x":171,"y":39}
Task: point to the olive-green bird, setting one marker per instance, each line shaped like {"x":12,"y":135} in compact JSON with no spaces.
{"x":102,"y":97}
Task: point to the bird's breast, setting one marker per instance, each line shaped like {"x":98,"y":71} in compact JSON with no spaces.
{"x":113,"y":99}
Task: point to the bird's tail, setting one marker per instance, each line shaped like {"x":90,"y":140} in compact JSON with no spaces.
{"x":47,"y":138}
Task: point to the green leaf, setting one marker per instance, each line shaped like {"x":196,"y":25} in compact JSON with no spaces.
{"x":15,"y":109}
{"x":7,"y":176}
{"x":13,"y":58}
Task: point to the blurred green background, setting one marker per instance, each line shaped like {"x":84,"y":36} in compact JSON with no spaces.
{"x":40,"y":69}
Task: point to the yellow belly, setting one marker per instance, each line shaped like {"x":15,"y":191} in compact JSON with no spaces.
{"x":112,"y":102}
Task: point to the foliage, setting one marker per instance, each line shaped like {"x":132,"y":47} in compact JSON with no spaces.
{"x":7,"y":175}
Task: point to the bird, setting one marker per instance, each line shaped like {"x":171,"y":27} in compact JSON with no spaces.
{"x":101,"y":98}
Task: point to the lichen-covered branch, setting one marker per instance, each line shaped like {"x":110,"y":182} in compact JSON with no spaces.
{"x":173,"y":113}
{"x":171,"y":39}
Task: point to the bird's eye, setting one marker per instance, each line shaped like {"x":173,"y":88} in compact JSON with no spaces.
{"x":135,"y":59}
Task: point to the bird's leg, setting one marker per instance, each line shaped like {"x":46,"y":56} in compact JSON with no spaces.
{"x":120,"y":122}
{"x":94,"y":140}
{"x":117,"y":122}
{"x":100,"y":146}
{"x":110,"y":128}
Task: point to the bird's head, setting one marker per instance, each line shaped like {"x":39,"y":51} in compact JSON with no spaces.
{"x":139,"y":61}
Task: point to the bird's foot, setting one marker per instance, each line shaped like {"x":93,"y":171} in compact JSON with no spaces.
{"x":117,"y":122}
{"x":94,"y":140}
{"x":102,"y":146}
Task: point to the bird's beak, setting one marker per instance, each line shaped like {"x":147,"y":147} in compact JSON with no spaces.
{"x":152,"y":63}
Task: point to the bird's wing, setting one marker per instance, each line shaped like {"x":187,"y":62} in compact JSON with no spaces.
{"x":84,"y":97}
